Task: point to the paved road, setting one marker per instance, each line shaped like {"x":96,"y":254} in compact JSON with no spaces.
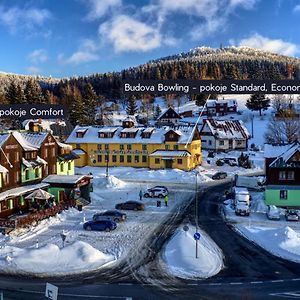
{"x":250,"y":272}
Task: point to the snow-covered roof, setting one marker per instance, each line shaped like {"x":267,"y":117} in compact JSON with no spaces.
{"x":63,"y":145}
{"x":23,"y":142}
{"x":148,"y":129}
{"x":130,"y":119}
{"x":3,"y":169}
{"x":214,"y":102}
{"x":284,"y":159}
{"x":41,"y":161}
{"x":227,"y":129}
{"x":272,"y":151}
{"x":3,"y":138}
{"x":169,"y":113}
{"x":170,"y":153}
{"x":157,"y":137}
{"x":108,"y":130}
{"x":79,"y":151}
{"x":63,"y":179}
{"x":22,"y":190}
{"x":34,"y":139}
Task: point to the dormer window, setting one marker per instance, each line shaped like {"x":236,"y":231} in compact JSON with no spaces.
{"x":80,"y":133}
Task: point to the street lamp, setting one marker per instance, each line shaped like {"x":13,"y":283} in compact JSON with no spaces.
{"x":196,"y":209}
{"x":106,"y":160}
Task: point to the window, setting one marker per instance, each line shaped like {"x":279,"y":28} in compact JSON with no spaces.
{"x":129,"y":147}
{"x":114,"y":158}
{"x":69,"y":166}
{"x":26,"y":174}
{"x":99,"y":147}
{"x":283,"y":194}
{"x":106,"y":147}
{"x":17,"y":176}
{"x":129,"y":158}
{"x":121,"y":158}
{"x":239,"y":142}
{"x":221,"y":143}
{"x":99,"y":158}
{"x":167,"y":147}
{"x":175,"y":147}
{"x":27,"y":155}
{"x":61,"y":167}
{"x":171,"y":136}
{"x":17,"y":156}
{"x":290,"y":175}
{"x":136,"y":159}
{"x":157,"y":161}
{"x":52,"y":151}
{"x":32,"y":155}
{"x":179,"y":161}
{"x":144,"y":147}
{"x":77,"y":145}
{"x":144,"y":158}
{"x":282,"y":175}
{"x":106,"y":158}
{"x":121,"y":147}
{"x":45,"y":153}
{"x":37,"y":173}
{"x":209,"y":143}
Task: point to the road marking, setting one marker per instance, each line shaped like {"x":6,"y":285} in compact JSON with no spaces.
{"x":296,"y":279}
{"x":287,"y":295}
{"x":256,"y":282}
{"x":124,"y":283}
{"x":74,"y":295}
{"x":215,"y":284}
{"x":235,"y":283}
{"x":192,"y":284}
{"x":280,"y":280}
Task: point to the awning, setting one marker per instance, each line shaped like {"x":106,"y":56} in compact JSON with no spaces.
{"x":40,"y":194}
{"x":19,"y":191}
{"x":33,"y":163}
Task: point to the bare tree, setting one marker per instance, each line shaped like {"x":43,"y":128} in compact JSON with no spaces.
{"x":283,"y":129}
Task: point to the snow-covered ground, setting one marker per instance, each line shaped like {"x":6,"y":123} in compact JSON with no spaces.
{"x":281,"y":238}
{"x":180,"y":255}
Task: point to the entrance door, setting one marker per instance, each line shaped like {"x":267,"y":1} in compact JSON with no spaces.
{"x":169,"y":163}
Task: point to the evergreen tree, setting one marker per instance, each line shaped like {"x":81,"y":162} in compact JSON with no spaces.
{"x":33,"y":92}
{"x":76,"y":113}
{"x":89,"y":98}
{"x":3,"y":99}
{"x":200,"y":99}
{"x":49,"y":98}
{"x":157,"y":111}
{"x":258,"y":102}
{"x":15,"y":94}
{"x":131,"y":107}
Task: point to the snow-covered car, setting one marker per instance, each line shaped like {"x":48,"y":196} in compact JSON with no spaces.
{"x":159,"y":192}
{"x":219,"y":175}
{"x":242,"y":209}
{"x":231,"y":161}
{"x":131,"y":205}
{"x":273,"y":213}
{"x":101,"y":225}
{"x":114,"y":215}
{"x":291,"y":215}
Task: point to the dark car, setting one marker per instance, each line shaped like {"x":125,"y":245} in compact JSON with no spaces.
{"x":101,"y":225}
{"x":131,"y":205}
{"x":114,"y":215}
{"x":291,"y":215}
{"x":219,"y":175}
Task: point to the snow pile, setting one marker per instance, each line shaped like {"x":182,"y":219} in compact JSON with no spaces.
{"x":76,"y":257}
{"x":114,"y":182}
{"x":283,"y":242}
{"x":181,"y":259}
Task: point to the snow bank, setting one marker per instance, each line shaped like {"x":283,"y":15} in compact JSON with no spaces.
{"x":114,"y":182}
{"x":283,"y":242}
{"x":76,"y":257}
{"x":180,"y":255}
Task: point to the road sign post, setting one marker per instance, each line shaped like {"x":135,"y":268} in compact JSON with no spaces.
{"x":197,"y":236}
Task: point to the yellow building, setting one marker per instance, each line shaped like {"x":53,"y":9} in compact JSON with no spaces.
{"x":130,"y":146}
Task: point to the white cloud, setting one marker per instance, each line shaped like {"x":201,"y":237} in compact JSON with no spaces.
{"x":16,"y":18}
{"x":128,"y":34}
{"x":247,"y":4}
{"x":34,"y":70}
{"x":85,"y":53}
{"x":98,"y":8}
{"x":38,"y":56}
{"x":272,"y":45}
{"x":297,"y":8}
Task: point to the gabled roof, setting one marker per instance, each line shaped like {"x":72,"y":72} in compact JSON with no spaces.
{"x":3,"y":138}
{"x":273,"y":151}
{"x":23,"y":142}
{"x":169,"y":113}
{"x":229,"y":129}
{"x":283,"y":160}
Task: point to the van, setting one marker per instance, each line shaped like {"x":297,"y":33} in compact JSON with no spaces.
{"x":241,"y":195}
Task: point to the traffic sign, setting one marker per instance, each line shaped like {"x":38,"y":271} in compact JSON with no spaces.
{"x":51,"y":291}
{"x":197,"y":236}
{"x":185,"y":228}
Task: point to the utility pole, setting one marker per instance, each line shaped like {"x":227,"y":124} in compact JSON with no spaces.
{"x":196,"y":212}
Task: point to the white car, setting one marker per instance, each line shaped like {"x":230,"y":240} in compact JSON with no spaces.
{"x":273,"y":213}
{"x":159,"y":192}
{"x":242,"y":209}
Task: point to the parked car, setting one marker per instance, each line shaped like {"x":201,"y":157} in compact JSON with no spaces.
{"x":101,"y":225}
{"x":131,"y":205}
{"x":231,"y":161}
{"x":242,"y":209}
{"x":291,"y":215}
{"x":161,"y":187}
{"x":273,"y":213}
{"x":219,"y":175}
{"x":114,"y":215}
{"x":159,"y":192}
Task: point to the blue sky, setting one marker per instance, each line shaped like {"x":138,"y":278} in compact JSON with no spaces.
{"x":80,"y":37}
